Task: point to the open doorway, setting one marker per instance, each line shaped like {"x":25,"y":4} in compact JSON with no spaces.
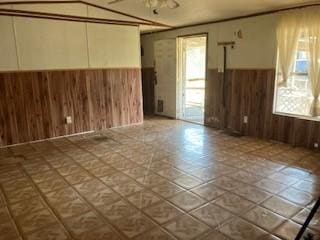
{"x":192,"y":64}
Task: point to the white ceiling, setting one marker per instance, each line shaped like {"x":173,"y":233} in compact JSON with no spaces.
{"x":199,"y":11}
{"x":195,"y":11}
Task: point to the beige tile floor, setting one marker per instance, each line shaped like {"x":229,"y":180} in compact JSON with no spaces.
{"x":164,"y":179}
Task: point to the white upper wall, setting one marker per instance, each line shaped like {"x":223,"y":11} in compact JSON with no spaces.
{"x":40,"y":44}
{"x":257,"y":48}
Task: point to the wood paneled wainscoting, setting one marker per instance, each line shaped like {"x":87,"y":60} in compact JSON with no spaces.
{"x":250,"y":92}
{"x":34,"y":104}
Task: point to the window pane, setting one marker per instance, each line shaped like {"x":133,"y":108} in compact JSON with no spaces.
{"x":296,"y":97}
{"x":293,"y":101}
{"x":301,"y":66}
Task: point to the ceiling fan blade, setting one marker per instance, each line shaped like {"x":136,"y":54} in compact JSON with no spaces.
{"x":172,"y":4}
{"x":115,"y":1}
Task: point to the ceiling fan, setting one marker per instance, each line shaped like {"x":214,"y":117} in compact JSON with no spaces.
{"x":155,"y":4}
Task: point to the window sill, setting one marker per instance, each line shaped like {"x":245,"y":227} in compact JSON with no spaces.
{"x":314,"y":119}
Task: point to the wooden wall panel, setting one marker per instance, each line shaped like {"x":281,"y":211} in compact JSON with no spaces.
{"x":33,"y":105}
{"x":250,"y":93}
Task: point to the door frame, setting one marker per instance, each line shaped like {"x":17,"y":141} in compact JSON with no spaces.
{"x":180,"y":77}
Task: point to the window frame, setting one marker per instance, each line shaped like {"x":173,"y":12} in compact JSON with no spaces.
{"x":275,"y":98}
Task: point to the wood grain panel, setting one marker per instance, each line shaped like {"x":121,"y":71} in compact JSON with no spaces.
{"x":251,"y":93}
{"x":34,"y":104}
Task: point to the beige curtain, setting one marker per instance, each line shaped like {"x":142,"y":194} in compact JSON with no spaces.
{"x":312,"y":27}
{"x":288,"y":31}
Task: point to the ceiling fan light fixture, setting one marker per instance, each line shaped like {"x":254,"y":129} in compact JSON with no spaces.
{"x":156,"y":4}
{"x":172,"y":4}
{"x":152,"y":3}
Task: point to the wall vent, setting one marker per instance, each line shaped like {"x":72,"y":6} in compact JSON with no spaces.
{"x":160,"y":106}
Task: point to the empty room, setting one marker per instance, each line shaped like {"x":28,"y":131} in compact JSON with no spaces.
{"x":159,"y":120}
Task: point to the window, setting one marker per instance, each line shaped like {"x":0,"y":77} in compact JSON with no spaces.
{"x":295,"y":97}
{"x":297,"y":91}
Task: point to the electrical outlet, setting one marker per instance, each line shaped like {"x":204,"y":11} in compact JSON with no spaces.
{"x":316,"y":145}
{"x":245,"y":119}
{"x":68,"y":120}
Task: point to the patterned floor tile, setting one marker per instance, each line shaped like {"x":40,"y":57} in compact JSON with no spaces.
{"x":36,"y":168}
{"x":155,"y":234}
{"x":102,"y":197}
{"x":281,"y":207}
{"x":246,"y":177}
{"x":307,"y":186}
{"x":162,"y":212}
{"x":79,"y":177}
{"x":101,"y":184}
{"x":83,"y":223}
{"x":36,"y":220}
{"x":283,"y":178}
{"x":288,"y":230}
{"x":117,"y":210}
{"x":215,"y":235}
{"x":151,"y":180}
{"x":62,"y":195}
{"x":128,"y":188}
{"x":187,"y":182}
{"x":302,"y":216}
{"x":271,"y":186}
{"x":44,"y":176}
{"x":54,"y":232}
{"x":134,"y":225}
{"x":167,"y":189}
{"x":124,"y":165}
{"x":187,"y":201}
{"x":253,"y":194}
{"x":21,"y":194}
{"x":297,"y":196}
{"x":116,"y":179}
{"x":264,"y":218}
{"x":239,"y":229}
{"x":72,"y":208}
{"x":8,"y":231}
{"x":52,"y":185}
{"x":69,"y":169}
{"x":143,"y":199}
{"x":212,"y":215}
{"x":156,"y":166}
{"x":16,"y":184}
{"x":11,"y":175}
{"x":227,"y":183}
{"x":208,"y":191}
{"x":27,"y":207}
{"x":170,"y":173}
{"x":260,"y":170}
{"x":269,"y":237}
{"x":102,"y":233}
{"x":2,"y":201}
{"x":186,"y":227}
{"x":233,"y":203}
{"x":137,"y":172}
{"x":296,"y":172}
{"x":89,"y":165}
{"x":4,"y":215}
{"x":90,"y":187}
{"x":103,"y":171}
